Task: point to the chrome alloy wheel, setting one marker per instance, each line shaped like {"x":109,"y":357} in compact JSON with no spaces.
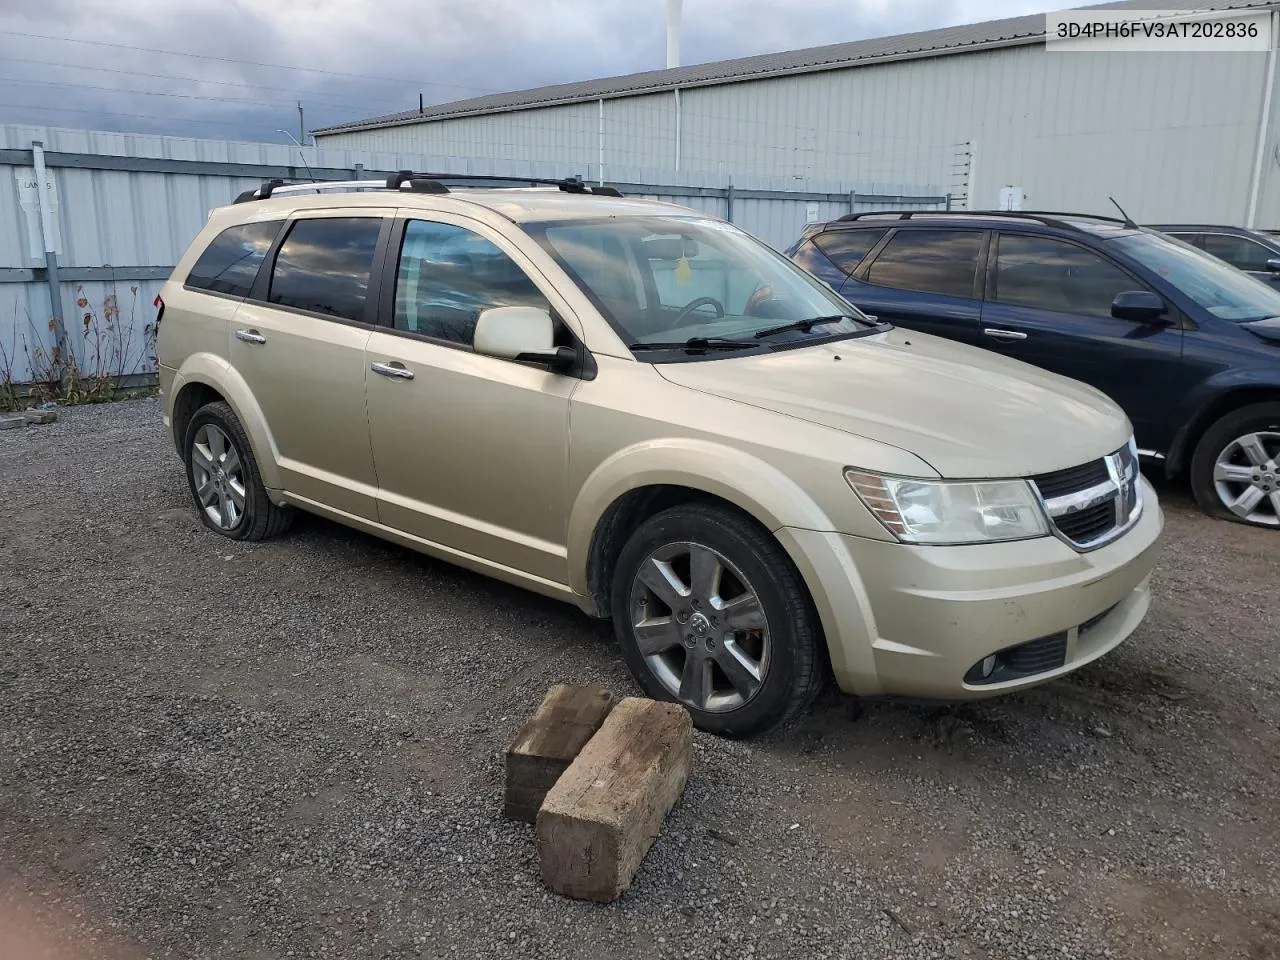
{"x":1246,"y":477}
{"x":700,"y":627}
{"x":219,"y":476}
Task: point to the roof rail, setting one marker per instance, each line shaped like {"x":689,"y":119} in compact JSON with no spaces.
{"x":417,"y":183}
{"x":1048,"y":218}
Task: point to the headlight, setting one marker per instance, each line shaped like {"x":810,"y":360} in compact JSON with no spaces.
{"x":943,"y":511}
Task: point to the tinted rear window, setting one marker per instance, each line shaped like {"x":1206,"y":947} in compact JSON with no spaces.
{"x":846,"y":248}
{"x":230,"y":263}
{"x":324,"y":265}
{"x":930,"y":261}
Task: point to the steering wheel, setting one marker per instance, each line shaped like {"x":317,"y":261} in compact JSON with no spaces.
{"x":694,"y":305}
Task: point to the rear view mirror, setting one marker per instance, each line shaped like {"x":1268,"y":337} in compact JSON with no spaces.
{"x":670,"y":248}
{"x":1273,"y":265}
{"x":520,"y":333}
{"x":1139,"y":306}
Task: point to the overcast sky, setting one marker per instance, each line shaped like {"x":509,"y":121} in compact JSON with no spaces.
{"x":163,"y":66}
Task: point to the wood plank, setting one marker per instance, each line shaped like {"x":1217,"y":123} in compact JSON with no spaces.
{"x":548,"y":743}
{"x":599,"y":820}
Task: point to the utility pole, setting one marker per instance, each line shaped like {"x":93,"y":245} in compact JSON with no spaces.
{"x":302,"y":125}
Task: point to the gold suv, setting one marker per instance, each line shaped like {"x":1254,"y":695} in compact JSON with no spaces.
{"x":642,"y":410}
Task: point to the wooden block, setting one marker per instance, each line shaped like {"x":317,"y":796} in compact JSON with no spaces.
{"x":599,"y":820}
{"x":547,"y":744}
{"x":41,"y":416}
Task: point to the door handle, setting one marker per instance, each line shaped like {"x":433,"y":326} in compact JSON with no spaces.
{"x":250,"y":336}
{"x":1004,"y":334}
{"x":388,"y":370}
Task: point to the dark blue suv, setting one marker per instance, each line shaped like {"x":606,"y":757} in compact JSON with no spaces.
{"x":1187,"y":345}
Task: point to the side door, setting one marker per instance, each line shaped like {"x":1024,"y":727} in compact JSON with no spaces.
{"x":298,"y":342}
{"x":1242,"y":253}
{"x":1049,"y":303}
{"x":924,"y":278}
{"x":471,"y":451}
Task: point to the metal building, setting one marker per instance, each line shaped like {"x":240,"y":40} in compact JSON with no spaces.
{"x":978,"y":109}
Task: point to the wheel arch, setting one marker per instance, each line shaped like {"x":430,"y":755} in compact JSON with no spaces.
{"x":206,"y":378}
{"x":1209,"y":409}
{"x":638,"y":482}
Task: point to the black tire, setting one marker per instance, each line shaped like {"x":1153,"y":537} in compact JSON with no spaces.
{"x":260,"y":519}
{"x":1256,"y":418}
{"x":797,"y":665}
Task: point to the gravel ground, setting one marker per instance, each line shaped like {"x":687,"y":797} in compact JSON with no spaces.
{"x":293,"y":749}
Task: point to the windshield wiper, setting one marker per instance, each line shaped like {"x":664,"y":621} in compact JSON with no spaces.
{"x":696,"y":343}
{"x":803,"y":325}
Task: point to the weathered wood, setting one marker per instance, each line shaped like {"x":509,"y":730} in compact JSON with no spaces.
{"x":599,"y":820}
{"x":547,"y":744}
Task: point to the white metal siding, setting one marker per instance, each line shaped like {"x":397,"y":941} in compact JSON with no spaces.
{"x":1169,"y":135}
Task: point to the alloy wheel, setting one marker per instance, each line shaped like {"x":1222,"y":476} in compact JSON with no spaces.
{"x":1246,"y":477}
{"x":218,"y":472}
{"x":700,"y":626}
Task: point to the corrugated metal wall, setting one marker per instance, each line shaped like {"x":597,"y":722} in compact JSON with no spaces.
{"x":1171,"y":135}
{"x":134,"y":225}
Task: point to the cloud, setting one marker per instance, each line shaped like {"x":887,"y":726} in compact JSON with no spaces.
{"x":134,"y":68}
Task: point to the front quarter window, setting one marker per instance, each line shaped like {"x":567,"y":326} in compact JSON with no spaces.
{"x":1217,"y":287}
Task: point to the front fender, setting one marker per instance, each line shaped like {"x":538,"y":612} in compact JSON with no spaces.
{"x":756,"y":487}
{"x":214,"y":372}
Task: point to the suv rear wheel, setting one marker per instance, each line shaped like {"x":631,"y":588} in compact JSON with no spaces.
{"x":711,"y":613}
{"x":1235,"y":472}
{"x":224,"y":480}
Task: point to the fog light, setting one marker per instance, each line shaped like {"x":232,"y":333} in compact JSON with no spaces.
{"x":988,"y":665}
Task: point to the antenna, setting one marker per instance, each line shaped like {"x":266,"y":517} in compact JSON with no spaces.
{"x":673,"y":33}
{"x":1128,"y":221}
{"x":301,"y":155}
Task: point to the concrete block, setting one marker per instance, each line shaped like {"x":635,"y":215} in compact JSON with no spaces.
{"x":41,"y":416}
{"x":12,"y":422}
{"x":547,"y":744}
{"x":599,"y":820}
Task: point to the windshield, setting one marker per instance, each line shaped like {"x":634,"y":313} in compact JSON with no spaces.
{"x":664,"y":281}
{"x":1217,"y":286}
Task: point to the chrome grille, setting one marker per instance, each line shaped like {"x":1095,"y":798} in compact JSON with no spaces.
{"x":1092,"y":504}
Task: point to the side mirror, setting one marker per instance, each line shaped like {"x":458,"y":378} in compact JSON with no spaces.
{"x":1273,"y":265}
{"x":520,"y":333}
{"x":1139,"y":306}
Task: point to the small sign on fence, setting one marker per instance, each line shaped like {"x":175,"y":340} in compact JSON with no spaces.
{"x":29,"y":198}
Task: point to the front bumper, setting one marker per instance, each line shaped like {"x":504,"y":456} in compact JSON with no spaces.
{"x":911,"y":621}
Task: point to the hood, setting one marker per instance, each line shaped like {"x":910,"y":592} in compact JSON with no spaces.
{"x":967,"y":412}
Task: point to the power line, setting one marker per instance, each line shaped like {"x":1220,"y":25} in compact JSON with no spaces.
{"x":257,"y":101}
{"x":134,"y":116}
{"x":249,"y":63}
{"x":295,"y":93}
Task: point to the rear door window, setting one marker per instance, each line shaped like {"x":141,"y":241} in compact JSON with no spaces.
{"x":929,"y":261}
{"x":1052,"y":274}
{"x":324,"y":264}
{"x":230,"y":263}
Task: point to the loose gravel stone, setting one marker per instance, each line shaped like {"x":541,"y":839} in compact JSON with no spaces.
{"x":294,"y":749}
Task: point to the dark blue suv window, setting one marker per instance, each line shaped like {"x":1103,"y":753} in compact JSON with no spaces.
{"x":930,"y":261}
{"x":1055,"y":275}
{"x":847,"y":248}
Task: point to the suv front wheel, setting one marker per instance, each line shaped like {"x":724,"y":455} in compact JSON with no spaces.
{"x":710,"y":612}
{"x":1235,"y":472}
{"x":224,"y":480}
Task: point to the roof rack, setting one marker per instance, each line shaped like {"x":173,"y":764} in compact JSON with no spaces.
{"x":1048,"y":217}
{"x":408,"y":180}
